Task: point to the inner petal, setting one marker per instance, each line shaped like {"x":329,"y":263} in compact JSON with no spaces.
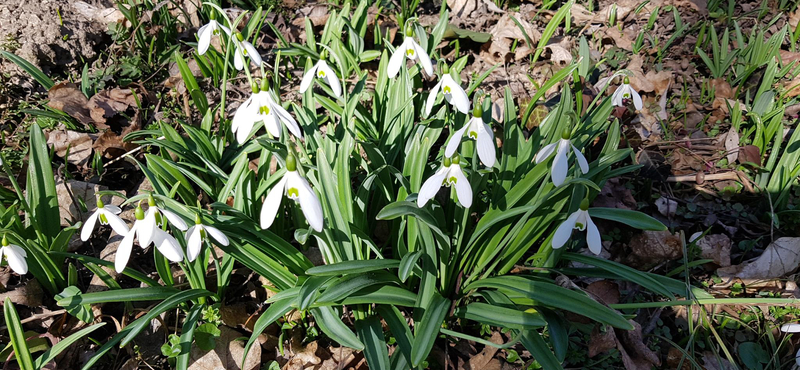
{"x":410,"y":52}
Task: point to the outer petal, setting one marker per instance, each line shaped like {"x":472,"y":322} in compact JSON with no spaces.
{"x":564,"y":231}
{"x":424,"y":59}
{"x":271,"y":124}
{"x":16,"y":259}
{"x":791,"y":328}
{"x":217,"y":235}
{"x":226,"y":29}
{"x":459,"y":97}
{"x":309,"y":202}
{"x":244,"y":128}
{"x":174,"y":219}
{"x":545,"y":152}
{"x":204,"y":38}
{"x":584,"y":165}
{"x":430,"y":187}
{"x":112,"y":208}
{"x":637,"y":99}
{"x":560,"y":165}
{"x":397,"y":60}
{"x":116,"y":223}
{"x":455,"y":139}
{"x":331,"y":78}
{"x":272,"y":203}
{"x":432,"y":98}
{"x":146,"y":228}
{"x":194,"y":242}
{"x":593,"y":236}
{"x":287,"y":120}
{"x":616,"y":98}
{"x":86,"y":230}
{"x":124,"y":249}
{"x":463,"y":187}
{"x":168,"y":246}
{"x":238,"y":58}
{"x":252,"y":53}
{"x":242,"y":114}
{"x":308,"y":78}
{"x":485,"y":146}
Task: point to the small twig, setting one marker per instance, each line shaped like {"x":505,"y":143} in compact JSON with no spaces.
{"x":37,"y":317}
{"x":709,"y":177}
{"x":130,"y":152}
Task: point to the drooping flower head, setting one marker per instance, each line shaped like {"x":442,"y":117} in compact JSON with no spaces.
{"x":204,"y":34}
{"x":15,"y":256}
{"x":793,"y":328}
{"x":262,"y":107}
{"x":451,"y":90}
{"x":561,"y":163}
{"x":199,"y":233}
{"x":322,"y":71}
{"x":107,"y":215}
{"x":624,"y":94}
{"x":155,"y":219}
{"x":479,"y":131}
{"x":579,"y":220}
{"x":411,"y":50}
{"x":296,"y":188}
{"x":244,"y":49}
{"x":148,"y":232}
{"x":449,"y":175}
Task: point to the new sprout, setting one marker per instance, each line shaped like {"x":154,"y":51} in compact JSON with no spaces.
{"x":561,"y":164}
{"x":479,"y":131}
{"x":296,"y":188}
{"x":450,"y":174}
{"x":580,"y":220}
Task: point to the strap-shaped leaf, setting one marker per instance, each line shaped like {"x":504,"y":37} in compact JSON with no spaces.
{"x":625,"y":272}
{"x":500,"y":316}
{"x":120,"y":295}
{"x":633,"y":219}
{"x":187,"y":336}
{"x":370,"y":332}
{"x":41,"y":186}
{"x":428,"y":328}
{"x":309,"y":290}
{"x":534,"y":343}
{"x":275,"y":311}
{"x":353,"y":283}
{"x":330,"y":323}
{"x":407,"y":265}
{"x":167,"y":304}
{"x":401,"y":358}
{"x":55,"y":350}
{"x":353,"y":267}
{"x":17,"y":336}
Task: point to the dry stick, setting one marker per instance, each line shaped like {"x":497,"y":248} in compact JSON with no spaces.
{"x":40,"y":316}
{"x":128,"y":153}
{"x":710,"y":177}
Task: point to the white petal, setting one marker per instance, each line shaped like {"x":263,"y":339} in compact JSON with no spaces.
{"x":309,"y":202}
{"x":331,"y":78}
{"x":308,"y":78}
{"x":791,"y":328}
{"x":146,"y":228}
{"x":432,"y":98}
{"x":271,"y":124}
{"x":463,"y":187}
{"x":86,"y":230}
{"x":485,"y":146}
{"x":455,"y":139}
{"x":593,"y":236}
{"x":459,"y":97}
{"x":564,"y":231}
{"x":116,"y":223}
{"x":174,"y":219}
{"x":226,"y":29}
{"x":123,"y":253}
{"x":397,"y":60}
{"x":582,"y":163}
{"x":560,"y":164}
{"x":287,"y":120}
{"x":204,"y":38}
{"x":238,"y":58}
{"x":424,"y":59}
{"x":545,"y":152}
{"x":797,"y":357}
{"x":244,"y":128}
{"x":637,"y":100}
{"x":430,"y":187}
{"x":16,"y":259}
{"x":112,"y":208}
{"x":217,"y":235}
{"x":194,"y":242}
{"x":168,"y":246}
{"x":272,"y":203}
{"x":241,"y":114}
{"x":252,"y":53}
{"x":616,"y":98}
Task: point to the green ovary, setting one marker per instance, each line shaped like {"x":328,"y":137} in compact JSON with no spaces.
{"x":293,"y":193}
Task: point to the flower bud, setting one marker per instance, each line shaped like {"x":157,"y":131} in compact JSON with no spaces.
{"x":291,"y":162}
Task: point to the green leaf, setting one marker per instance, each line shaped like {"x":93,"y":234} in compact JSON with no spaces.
{"x":353,"y":283}
{"x":353,"y":267}
{"x":387,"y":294}
{"x":633,"y":219}
{"x":36,"y":73}
{"x":120,"y":295}
{"x":275,"y":311}
{"x":625,"y":272}
{"x":401,"y":357}
{"x":205,"y":336}
{"x":499,"y":316}
{"x":189,"y":325}
{"x":167,"y":304}
{"x":540,"y":351}
{"x":407,"y":265}
{"x":330,"y":323}
{"x":129,"y":272}
{"x":82,"y":312}
{"x":41,"y":186}
{"x":52,"y":352}
{"x":428,"y":329}
{"x":370,"y":331}
{"x":309,"y":290}
{"x":17,"y":336}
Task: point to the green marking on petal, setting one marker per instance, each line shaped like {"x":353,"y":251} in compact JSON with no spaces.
{"x":578,"y":225}
{"x":410,"y":52}
{"x":321,"y":74}
{"x":103,"y":219}
{"x":203,"y":233}
{"x":447,"y":90}
{"x":452,"y":180}
{"x":293,"y":193}
{"x":264,"y":110}
{"x":473,"y":134}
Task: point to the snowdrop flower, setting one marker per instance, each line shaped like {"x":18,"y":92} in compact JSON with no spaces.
{"x":262,"y":107}
{"x":15,"y":256}
{"x":793,"y":328}
{"x":199,"y":233}
{"x":244,"y":49}
{"x":107,"y":214}
{"x":580,"y":220}
{"x":323,"y":72}
{"x":449,"y":175}
{"x":147,"y":232}
{"x":561,"y":164}
{"x":479,"y":131}
{"x":411,"y":50}
{"x":205,"y":33}
{"x":452,"y":92}
{"x":626,"y":92}
{"x":154,"y":220}
{"x":296,"y":188}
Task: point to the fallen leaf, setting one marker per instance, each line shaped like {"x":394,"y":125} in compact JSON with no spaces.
{"x":635,"y":353}
{"x":601,"y":340}
{"x":606,"y":291}
{"x":482,"y":359}
{"x":666,"y":207}
{"x":30,"y":294}
{"x":651,"y":248}
{"x":732,"y":145}
{"x":103,"y":16}
{"x":66,"y":97}
{"x":716,"y":247}
{"x":462,"y":8}
{"x":781,"y":257}
{"x":722,"y":89}
{"x":226,"y":355}
{"x":109,"y":103}
{"x":615,"y":195}
{"x":750,"y":153}
{"x":558,"y":54}
{"x":78,"y":143}
{"x":81,"y":191}
{"x":715,"y":362}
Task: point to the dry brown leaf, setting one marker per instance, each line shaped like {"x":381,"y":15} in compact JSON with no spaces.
{"x":85,"y":191}
{"x":462,"y":8}
{"x":713,"y":362}
{"x":558,"y":54}
{"x":303,"y":357}
{"x":601,"y":341}
{"x":29,"y":294}
{"x":78,"y":143}
{"x":722,"y":89}
{"x":101,"y":15}
{"x":615,"y":195}
{"x":779,"y":258}
{"x":109,"y":103}
{"x":653,"y":247}
{"x":66,"y":97}
{"x":635,"y":354}
{"x":750,"y":153}
{"x":716,"y":247}
{"x":503,"y":35}
{"x":226,"y":355}
{"x":732,"y":145}
{"x":606,"y":291}
{"x":482,"y":359}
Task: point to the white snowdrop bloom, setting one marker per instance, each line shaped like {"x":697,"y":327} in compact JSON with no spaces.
{"x":408,"y":49}
{"x":107,"y":214}
{"x":322,"y":71}
{"x":262,"y":107}
{"x":561,"y":164}
{"x":15,"y":256}
{"x":147,"y":232}
{"x":295,"y":187}
{"x":154,"y":220}
{"x":244,"y":49}
{"x":793,"y":328}
{"x":199,"y":233}
{"x":450,"y":174}
{"x":479,"y":131}
{"x":580,"y":220}
{"x":205,"y":33}
{"x":452,"y":92}
{"x":626,"y":92}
